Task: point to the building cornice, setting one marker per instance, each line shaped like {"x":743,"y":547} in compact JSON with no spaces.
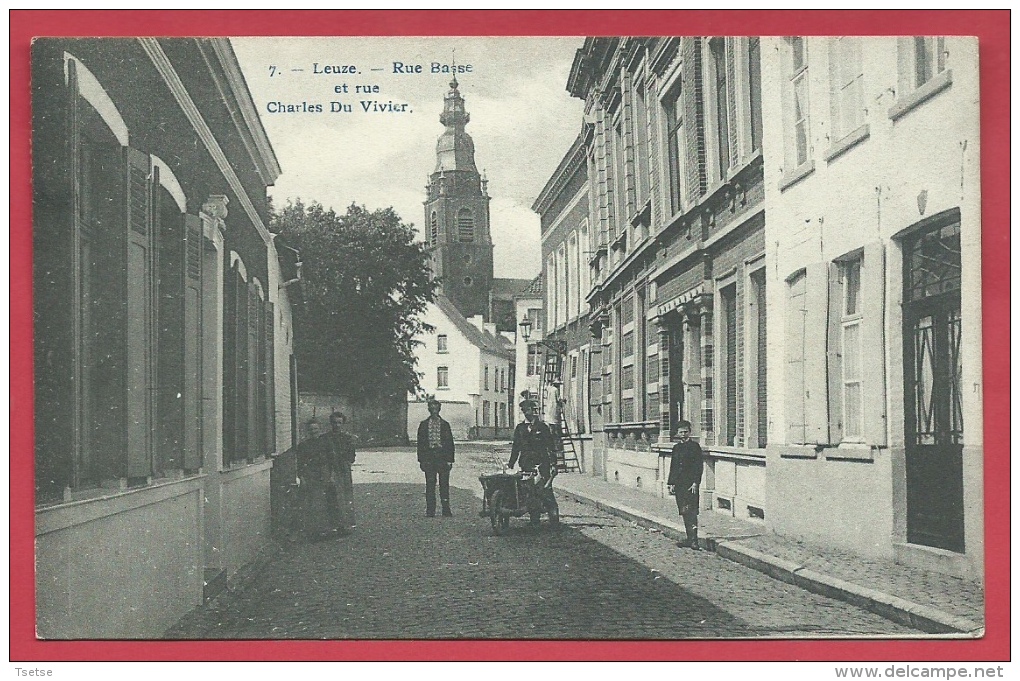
{"x":571,"y":205}
{"x":571,"y":162}
{"x":264,"y":156}
{"x":173,"y":81}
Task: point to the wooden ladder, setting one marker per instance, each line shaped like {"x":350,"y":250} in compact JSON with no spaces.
{"x":566,"y":454}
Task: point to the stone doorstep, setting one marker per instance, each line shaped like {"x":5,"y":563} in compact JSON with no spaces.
{"x":925,"y":618}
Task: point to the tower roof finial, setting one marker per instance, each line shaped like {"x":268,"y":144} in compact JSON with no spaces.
{"x":453,"y":83}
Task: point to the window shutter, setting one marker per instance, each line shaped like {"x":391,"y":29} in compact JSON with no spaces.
{"x":254,"y":433}
{"x":796,"y":312}
{"x":731,"y":100}
{"x":873,"y":343}
{"x":270,"y":323}
{"x":230,"y":364}
{"x":240,"y":331}
{"x":192,"y":393}
{"x":654,"y":186}
{"x":815,"y":392}
{"x":139,"y":316}
{"x":833,"y":355}
{"x":694,"y":124}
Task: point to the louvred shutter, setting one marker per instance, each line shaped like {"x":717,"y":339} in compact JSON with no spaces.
{"x":192,"y":393}
{"x":270,"y":378}
{"x":140,"y":341}
{"x":694,"y":125}
{"x":731,"y":100}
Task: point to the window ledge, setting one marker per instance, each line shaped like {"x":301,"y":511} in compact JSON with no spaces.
{"x":735,"y":453}
{"x":795,"y":176}
{"x":848,"y":142}
{"x":851,"y":452}
{"x":920,"y":95}
{"x":800,"y":452}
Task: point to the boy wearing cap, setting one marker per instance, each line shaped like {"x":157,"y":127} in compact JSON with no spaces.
{"x":435,"y":458}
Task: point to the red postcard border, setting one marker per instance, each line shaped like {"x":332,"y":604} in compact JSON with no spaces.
{"x":990,"y":26}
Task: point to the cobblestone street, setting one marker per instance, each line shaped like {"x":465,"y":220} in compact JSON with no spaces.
{"x":402,"y":575}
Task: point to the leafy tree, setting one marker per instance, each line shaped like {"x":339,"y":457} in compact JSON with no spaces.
{"x":365,"y":283}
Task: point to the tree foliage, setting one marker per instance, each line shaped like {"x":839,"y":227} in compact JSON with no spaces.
{"x":365,"y":284}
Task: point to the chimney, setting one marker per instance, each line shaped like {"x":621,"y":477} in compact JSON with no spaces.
{"x":490,"y":329}
{"x":478,"y":321}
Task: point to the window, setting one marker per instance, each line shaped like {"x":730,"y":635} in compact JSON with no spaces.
{"x":550,"y":281}
{"x":441,"y":343}
{"x":846,"y":83}
{"x":571,"y":284}
{"x":583,"y":271}
{"x":465,"y":225}
{"x":561,"y":286}
{"x":486,"y":383}
{"x":443,"y":377}
{"x":729,"y":433}
{"x":850,"y":324}
{"x":620,"y":175}
{"x":754,"y":90}
{"x":434,"y":228}
{"x":923,"y":72}
{"x":534,"y":360}
{"x":641,"y":137}
{"x":929,"y":58}
{"x":757,"y":344}
{"x":573,"y":366}
{"x":717,"y":48}
{"x":501,"y":416}
{"x":627,"y":410}
{"x":535,"y":317}
{"x":796,"y":103}
{"x":796,"y":387}
{"x":486,"y":412}
{"x":627,"y":378}
{"x":627,"y":344}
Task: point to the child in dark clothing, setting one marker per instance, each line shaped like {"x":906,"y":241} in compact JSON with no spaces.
{"x":685,"y":468}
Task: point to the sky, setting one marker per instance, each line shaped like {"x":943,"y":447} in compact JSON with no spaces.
{"x":523,"y":121}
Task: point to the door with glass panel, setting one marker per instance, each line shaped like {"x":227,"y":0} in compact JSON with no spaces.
{"x":932,"y":386}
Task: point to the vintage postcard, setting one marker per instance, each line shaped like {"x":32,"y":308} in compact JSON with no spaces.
{"x":557,"y":338}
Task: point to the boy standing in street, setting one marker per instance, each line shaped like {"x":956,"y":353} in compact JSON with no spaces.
{"x":435,"y":458}
{"x":685,"y":468}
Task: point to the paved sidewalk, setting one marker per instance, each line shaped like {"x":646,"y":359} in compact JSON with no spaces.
{"x":925,"y":600}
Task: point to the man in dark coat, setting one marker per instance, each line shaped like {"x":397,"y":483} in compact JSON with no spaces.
{"x":686,"y":465}
{"x":533,"y":446}
{"x":435,"y":458}
{"x":321,"y":515}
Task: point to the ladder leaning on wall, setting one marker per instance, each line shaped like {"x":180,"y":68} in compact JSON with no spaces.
{"x":566,"y":453}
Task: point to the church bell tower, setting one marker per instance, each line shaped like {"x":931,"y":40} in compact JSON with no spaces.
{"x":457,"y":214}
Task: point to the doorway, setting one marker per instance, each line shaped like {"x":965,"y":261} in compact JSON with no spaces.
{"x":933,"y":414}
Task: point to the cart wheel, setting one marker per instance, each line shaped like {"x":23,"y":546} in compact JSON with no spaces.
{"x":500,"y":520}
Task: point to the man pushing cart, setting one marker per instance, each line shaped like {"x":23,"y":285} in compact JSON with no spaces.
{"x":530,"y":491}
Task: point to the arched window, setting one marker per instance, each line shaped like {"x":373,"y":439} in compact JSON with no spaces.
{"x":434,"y":228}
{"x":465,"y":225}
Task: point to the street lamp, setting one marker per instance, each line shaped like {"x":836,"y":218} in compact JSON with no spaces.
{"x":557,"y":346}
{"x":554,"y":359}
